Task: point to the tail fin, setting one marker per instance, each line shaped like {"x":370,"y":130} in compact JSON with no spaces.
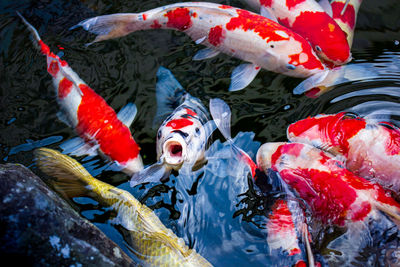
{"x":37,"y":40}
{"x":109,"y":26}
{"x":169,"y":94}
{"x":324,"y":81}
{"x":154,"y":173}
{"x":221,"y":114}
{"x":69,"y":176}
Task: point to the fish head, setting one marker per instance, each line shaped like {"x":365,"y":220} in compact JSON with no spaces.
{"x":333,"y":47}
{"x":317,"y":130}
{"x":186,"y":144}
{"x":264,"y":155}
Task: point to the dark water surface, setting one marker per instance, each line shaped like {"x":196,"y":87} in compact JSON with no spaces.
{"x":217,"y":210}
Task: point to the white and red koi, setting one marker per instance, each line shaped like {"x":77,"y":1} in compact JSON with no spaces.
{"x":308,"y":18}
{"x":286,"y":215}
{"x":248,"y":36}
{"x":371,"y":149}
{"x":344,"y":12}
{"x":182,"y":137}
{"x":88,"y":113}
{"x":335,"y":195}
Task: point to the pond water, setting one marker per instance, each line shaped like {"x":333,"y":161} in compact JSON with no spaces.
{"x":217,"y":209}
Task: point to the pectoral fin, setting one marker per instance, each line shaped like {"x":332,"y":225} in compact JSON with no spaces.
{"x":154,"y":173}
{"x":205,"y":53}
{"x":127,"y":114}
{"x":242,"y":76}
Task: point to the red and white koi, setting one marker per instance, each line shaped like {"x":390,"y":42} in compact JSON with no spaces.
{"x":370,"y":149}
{"x":286,"y":216}
{"x":335,"y":195}
{"x":182,"y":137}
{"x":308,"y":18}
{"x":248,"y":36}
{"x":344,"y":12}
{"x":89,"y":114}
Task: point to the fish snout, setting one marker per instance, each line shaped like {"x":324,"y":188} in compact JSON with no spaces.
{"x":264,"y":155}
{"x":133,"y":166}
{"x":174,"y":150}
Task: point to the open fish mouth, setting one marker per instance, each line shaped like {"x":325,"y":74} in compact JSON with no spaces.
{"x":174,"y":151}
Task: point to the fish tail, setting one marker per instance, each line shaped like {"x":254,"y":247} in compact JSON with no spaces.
{"x":37,"y":41}
{"x":70,"y":178}
{"x":112,"y":26}
{"x":169,"y":94}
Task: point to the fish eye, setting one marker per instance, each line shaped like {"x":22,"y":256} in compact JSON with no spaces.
{"x":197,"y":130}
{"x":290,"y":66}
{"x":159,"y":135}
{"x":272,"y":46}
{"x":318,"y":48}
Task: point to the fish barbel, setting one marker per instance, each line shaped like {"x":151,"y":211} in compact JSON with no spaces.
{"x":151,"y":241}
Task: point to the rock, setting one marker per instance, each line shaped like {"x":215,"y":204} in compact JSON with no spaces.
{"x":38,"y":228}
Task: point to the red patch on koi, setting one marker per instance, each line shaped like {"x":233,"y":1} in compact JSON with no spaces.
{"x":144,"y":16}
{"x":392,"y":145}
{"x":291,"y":149}
{"x":64,"y":88}
{"x":313,"y":93}
{"x":266,"y":3}
{"x":155,"y":25}
{"x":53,"y":68}
{"x":325,"y":32}
{"x":349,"y":16}
{"x":44,"y":48}
{"x":179,"y":123}
{"x":264,"y":27}
{"x":216,"y":35}
{"x":179,"y":18}
{"x":292,"y":3}
{"x":99,"y":121}
{"x":225,"y":7}
{"x":190,"y":112}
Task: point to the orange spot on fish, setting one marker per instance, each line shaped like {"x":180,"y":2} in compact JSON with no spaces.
{"x":179,"y":123}
{"x":64,"y":88}
{"x":349,"y":16}
{"x":99,"y":121}
{"x":331,"y":27}
{"x":179,"y":18}
{"x":293,"y":3}
{"x":53,"y":68}
{"x":216,"y":35}
{"x":155,"y":25}
{"x":190,"y":112}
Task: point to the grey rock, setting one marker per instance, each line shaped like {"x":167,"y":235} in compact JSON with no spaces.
{"x":38,"y":228}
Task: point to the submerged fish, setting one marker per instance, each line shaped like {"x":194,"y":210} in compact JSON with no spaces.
{"x":335,"y":195}
{"x":151,"y":241}
{"x":248,"y":36}
{"x":308,"y":18}
{"x":287,"y":232}
{"x":182,"y":137}
{"x":344,"y":12}
{"x":370,"y":149}
{"x":88,"y":113}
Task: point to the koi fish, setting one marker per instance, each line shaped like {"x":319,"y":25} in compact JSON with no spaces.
{"x":344,"y":12}
{"x":335,"y":195}
{"x":286,"y":216}
{"x":308,"y":19}
{"x":182,"y":137}
{"x":245,"y":35}
{"x":287,"y":231}
{"x":151,"y":241}
{"x":370,"y":149}
{"x":88,"y":113}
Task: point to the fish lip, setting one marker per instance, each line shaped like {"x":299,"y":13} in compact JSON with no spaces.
{"x":174,"y":150}
{"x":133,"y":166}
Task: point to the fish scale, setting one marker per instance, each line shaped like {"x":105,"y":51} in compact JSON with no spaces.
{"x":150,"y":240}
